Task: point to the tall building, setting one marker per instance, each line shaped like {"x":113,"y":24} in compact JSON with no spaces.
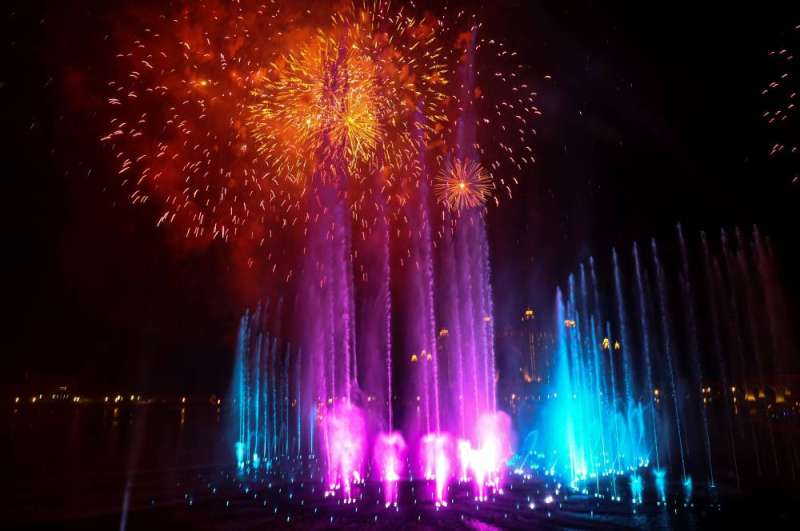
{"x":539,"y":347}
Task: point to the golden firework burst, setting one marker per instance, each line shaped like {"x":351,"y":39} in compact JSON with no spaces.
{"x":364,"y":93}
{"x":462,"y":184}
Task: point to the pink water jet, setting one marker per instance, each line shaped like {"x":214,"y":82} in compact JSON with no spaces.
{"x":436,"y":449}
{"x":464,"y":457}
{"x":388,"y":455}
{"x":345,"y":424}
{"x":495,"y":447}
{"x":487,"y":461}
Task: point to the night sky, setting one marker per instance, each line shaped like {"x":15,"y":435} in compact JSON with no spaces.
{"x":651,"y":118}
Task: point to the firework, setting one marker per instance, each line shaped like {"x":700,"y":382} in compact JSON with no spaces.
{"x":504,"y":123}
{"x":462,"y":184}
{"x":362,"y":94}
{"x":176,"y":112}
{"x":218,"y":117}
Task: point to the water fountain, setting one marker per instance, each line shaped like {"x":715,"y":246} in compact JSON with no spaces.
{"x":338,"y":389}
{"x":687,"y":388}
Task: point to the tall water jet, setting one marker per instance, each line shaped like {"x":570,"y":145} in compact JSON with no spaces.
{"x":627,"y":362}
{"x":713,"y":281}
{"x":694,"y":354}
{"x":467,"y":311}
{"x":666,"y":336}
{"x":374,"y":330}
{"x":326,"y":281}
{"x":646,"y":354}
{"x":734,"y":329}
{"x":777,"y":321}
{"x":420,"y":320}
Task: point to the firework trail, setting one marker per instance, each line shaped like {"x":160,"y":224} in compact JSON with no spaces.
{"x":781,"y":101}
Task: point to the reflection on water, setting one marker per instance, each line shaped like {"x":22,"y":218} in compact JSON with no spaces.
{"x":69,"y":467}
{"x":70,"y":460}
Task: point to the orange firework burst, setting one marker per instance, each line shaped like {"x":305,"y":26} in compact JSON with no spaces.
{"x":177,"y":114}
{"x":364,"y":93}
{"x":177,"y":108}
{"x":218,"y":117}
{"x":462,"y":184}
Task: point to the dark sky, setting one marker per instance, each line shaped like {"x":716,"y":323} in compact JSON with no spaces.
{"x":651,"y":118}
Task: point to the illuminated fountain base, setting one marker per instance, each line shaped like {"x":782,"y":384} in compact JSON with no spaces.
{"x":519,"y":501}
